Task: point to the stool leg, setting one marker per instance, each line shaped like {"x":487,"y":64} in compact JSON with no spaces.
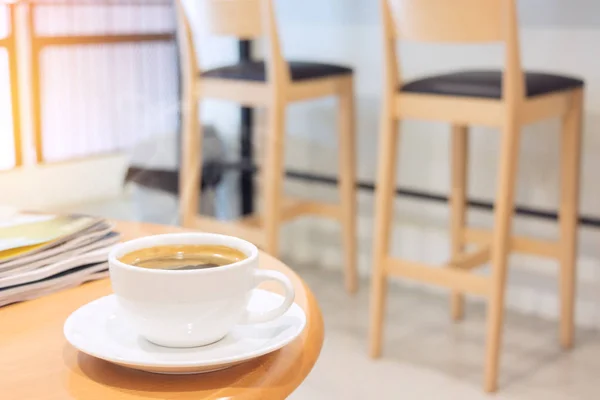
{"x":569,"y":205}
{"x":504,"y":205}
{"x":347,"y":157}
{"x":458,"y":203}
{"x":384,"y":202}
{"x":273,"y":175}
{"x":190,"y":171}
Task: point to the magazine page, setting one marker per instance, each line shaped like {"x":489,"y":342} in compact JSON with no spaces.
{"x":55,"y":281}
{"x":27,"y":233}
{"x":34,"y":291}
{"x":18,"y":278}
{"x":26,"y":263}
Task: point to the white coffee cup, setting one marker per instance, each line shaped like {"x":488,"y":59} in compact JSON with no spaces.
{"x":191,"y":308}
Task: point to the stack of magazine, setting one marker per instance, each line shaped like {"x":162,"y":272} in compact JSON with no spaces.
{"x":42,"y":254}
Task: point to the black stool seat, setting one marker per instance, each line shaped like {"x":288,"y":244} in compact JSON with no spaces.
{"x":488,"y":84}
{"x":255,"y":71}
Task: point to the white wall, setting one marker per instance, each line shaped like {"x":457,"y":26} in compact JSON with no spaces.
{"x":556,"y":36}
{"x":96,"y":99}
{"x":106,"y":98}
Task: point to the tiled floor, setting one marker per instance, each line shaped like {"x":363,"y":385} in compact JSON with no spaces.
{"x":426,"y":356}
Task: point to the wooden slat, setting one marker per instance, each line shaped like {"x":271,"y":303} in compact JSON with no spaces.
{"x":459,"y":183}
{"x":291,"y":208}
{"x":251,"y":220}
{"x":84,"y":3}
{"x":244,"y":93}
{"x":13,"y":69}
{"x":448,"y":21}
{"x":546,"y":248}
{"x":101,"y":39}
{"x":238,"y":18}
{"x":544,"y":107}
{"x":467,"y":261}
{"x":294,"y":208}
{"x":457,"y":110}
{"x":36,"y":95}
{"x":319,"y":209}
{"x":570,"y":189}
{"x":446,"y":277}
{"x":315,"y":88}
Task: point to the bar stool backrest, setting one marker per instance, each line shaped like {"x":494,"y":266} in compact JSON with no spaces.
{"x":448,"y":21}
{"x":238,"y":18}
{"x":455,"y":21}
{"x":243,"y":19}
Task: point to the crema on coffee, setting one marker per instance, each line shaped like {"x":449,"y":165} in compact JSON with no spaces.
{"x":183,"y":257}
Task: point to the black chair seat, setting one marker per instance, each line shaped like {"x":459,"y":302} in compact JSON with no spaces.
{"x":488,"y":84}
{"x":255,"y":71}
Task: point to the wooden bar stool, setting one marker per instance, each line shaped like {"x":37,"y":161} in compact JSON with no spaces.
{"x":506,"y":99}
{"x":271,"y":84}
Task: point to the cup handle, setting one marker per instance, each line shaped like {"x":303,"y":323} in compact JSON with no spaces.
{"x":261,"y":275}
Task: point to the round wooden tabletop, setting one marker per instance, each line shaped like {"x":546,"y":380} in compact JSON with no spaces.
{"x":36,"y":362}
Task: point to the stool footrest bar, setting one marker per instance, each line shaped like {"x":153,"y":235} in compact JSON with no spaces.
{"x":250,"y":227}
{"x":519,"y":244}
{"x":440,"y":276}
{"x":467,"y":261}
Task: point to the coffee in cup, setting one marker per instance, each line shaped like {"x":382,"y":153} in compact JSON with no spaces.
{"x":190,"y":289}
{"x":183,"y":257}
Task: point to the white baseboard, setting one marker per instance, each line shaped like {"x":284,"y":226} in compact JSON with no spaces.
{"x":43,"y":187}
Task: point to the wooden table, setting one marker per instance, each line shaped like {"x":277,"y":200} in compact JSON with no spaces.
{"x":36,"y":362}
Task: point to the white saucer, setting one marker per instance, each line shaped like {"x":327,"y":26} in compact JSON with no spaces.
{"x":99,"y":330}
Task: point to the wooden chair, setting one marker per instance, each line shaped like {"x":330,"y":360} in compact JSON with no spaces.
{"x":506,"y":99}
{"x":271,"y":84}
